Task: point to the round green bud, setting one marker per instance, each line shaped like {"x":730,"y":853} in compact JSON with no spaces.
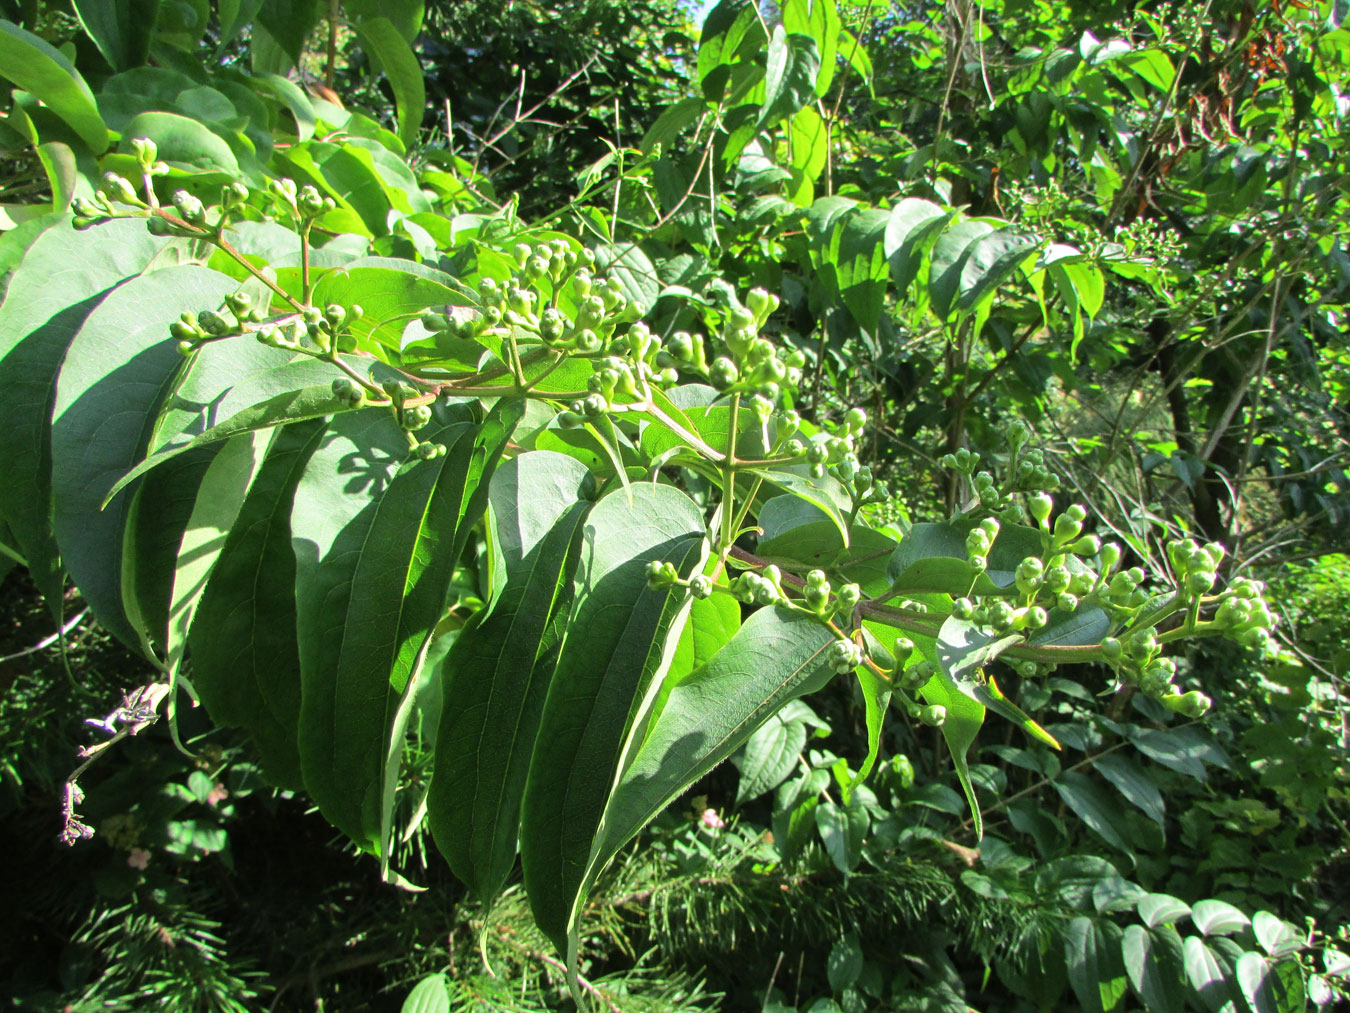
{"x":963,"y":609}
{"x":933,"y":715}
{"x":700,"y":586}
{"x":1193,"y":704}
{"x":429,"y":451}
{"x":1111,"y":649}
{"x":855,"y":420}
{"x":1039,"y":506}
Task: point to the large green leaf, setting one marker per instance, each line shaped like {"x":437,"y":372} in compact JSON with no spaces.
{"x":1094,"y":807}
{"x":1096,"y":970}
{"x":38,"y":68}
{"x":949,"y":257}
{"x":963,"y":650}
{"x":185,"y":142}
{"x":61,"y":278}
{"x":292,"y":406}
{"x":990,"y":261}
{"x":618,"y":641}
{"x":732,"y":31}
{"x":375,"y":555}
{"x":245,"y":661}
{"x":914,"y":225}
{"x":120,"y":28}
{"x":858,"y":251}
{"x":390,"y":52}
{"x":932,"y":558}
{"x":776,"y":656}
{"x":117,"y":370}
{"x":496,"y":675}
{"x":1153,"y":963}
{"x":789,"y":75}
{"x":820,"y":20}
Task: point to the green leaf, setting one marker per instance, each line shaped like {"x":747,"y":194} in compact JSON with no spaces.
{"x":406,"y":15}
{"x":1218,"y":918}
{"x":1096,"y":971}
{"x":810,"y":149}
{"x":120,"y":28}
{"x":672,"y":122}
{"x":1093,"y":806}
{"x":183,"y":143}
{"x":1163,"y":909}
{"x":1277,"y":937}
{"x":771,"y":754}
{"x":789,"y":76}
{"x":1208,"y":974}
{"x":990,"y":260}
{"x":1131,"y":782}
{"x":876,"y":693}
{"x":712,"y":622}
{"x":820,"y":20}
{"x":373,"y":575}
{"x":732,"y":31}
{"x":1261,"y":985}
{"x":391,"y":294}
{"x":932,"y":559}
{"x":38,"y":68}
{"x":913,"y":227}
{"x":117,"y":370}
{"x":61,"y":278}
{"x":389,"y":51}
{"x":292,"y":406}
{"x":616,"y":645}
{"x":220,"y":496}
{"x":843,"y":829}
{"x":775,"y":657}
{"x":496,"y":674}
{"x":964,"y":718}
{"x":858,"y":250}
{"x":950,"y":253}
{"x":1153,"y":962}
{"x":245,"y":659}
{"x":826,"y":494}
{"x":634,"y":270}
{"x":963,"y":649}
{"x":430,"y":995}
{"x":845,"y":962}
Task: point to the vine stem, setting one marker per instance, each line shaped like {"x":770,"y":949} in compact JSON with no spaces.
{"x":729,"y":480}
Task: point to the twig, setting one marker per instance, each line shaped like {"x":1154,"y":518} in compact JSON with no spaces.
{"x":47,"y":641}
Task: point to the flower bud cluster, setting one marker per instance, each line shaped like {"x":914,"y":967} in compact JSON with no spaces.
{"x":314,"y":329}
{"x":192,"y":330}
{"x":303,"y":203}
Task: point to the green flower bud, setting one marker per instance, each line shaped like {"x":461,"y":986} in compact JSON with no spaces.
{"x":848,"y":597}
{"x":700,"y":586}
{"x":429,"y":451}
{"x":1040,"y":506}
{"x":934,"y":715}
{"x":415,"y":418}
{"x":145,"y":150}
{"x":723,"y":372}
{"x":1034,"y":618}
{"x":1111,"y":649}
{"x":855,"y":420}
{"x":189,"y":208}
{"x":118,"y":188}
{"x":1088,"y":545}
{"x":1066,"y":602}
{"x":661,"y":574}
{"x":1193,"y":704}
{"x":963,"y":609}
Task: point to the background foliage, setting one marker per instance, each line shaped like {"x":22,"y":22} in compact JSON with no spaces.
{"x":1122,"y":225}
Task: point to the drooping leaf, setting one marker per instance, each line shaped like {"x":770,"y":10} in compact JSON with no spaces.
{"x":843,"y":829}
{"x":374,"y":561}
{"x":42,"y":70}
{"x":1131,"y":782}
{"x":1096,"y":970}
{"x":1093,"y":806}
{"x":430,"y":995}
{"x":775,"y":657}
{"x":1153,"y":961}
{"x":913,"y":227}
{"x":61,"y":278}
{"x":117,"y":370}
{"x":616,"y":645}
{"x":1163,"y":909}
{"x":293,"y":406}
{"x":789,"y":75}
{"x":121,"y":30}
{"x":1209,"y":975}
{"x":496,"y":674}
{"x":390,"y":52}
{"x":820,"y":20}
{"x":245,"y":660}
{"x":950,"y":253}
